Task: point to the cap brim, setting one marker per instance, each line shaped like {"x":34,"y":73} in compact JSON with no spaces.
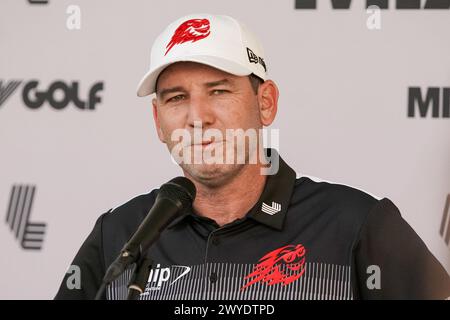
{"x":148,"y":82}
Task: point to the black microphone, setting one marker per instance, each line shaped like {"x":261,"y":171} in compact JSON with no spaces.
{"x":173,"y":198}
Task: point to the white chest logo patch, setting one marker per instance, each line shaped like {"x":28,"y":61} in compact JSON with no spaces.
{"x":271,"y":210}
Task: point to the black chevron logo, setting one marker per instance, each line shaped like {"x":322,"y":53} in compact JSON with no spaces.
{"x":29,"y":234}
{"x":8,"y":89}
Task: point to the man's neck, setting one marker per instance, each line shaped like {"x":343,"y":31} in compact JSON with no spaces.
{"x":233,"y":200}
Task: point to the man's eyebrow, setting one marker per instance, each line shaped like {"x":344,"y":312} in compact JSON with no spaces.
{"x":217,"y":83}
{"x":161,"y":93}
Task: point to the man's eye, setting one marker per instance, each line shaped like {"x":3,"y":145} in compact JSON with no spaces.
{"x":219,"y":91}
{"x":176,"y":98}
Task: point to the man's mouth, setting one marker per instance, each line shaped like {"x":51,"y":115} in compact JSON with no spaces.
{"x":207,"y":143}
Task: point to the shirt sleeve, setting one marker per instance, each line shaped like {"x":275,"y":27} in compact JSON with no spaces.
{"x":392,"y":262}
{"x":90,"y":262}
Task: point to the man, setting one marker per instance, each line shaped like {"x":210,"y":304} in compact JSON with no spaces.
{"x":254,"y":231}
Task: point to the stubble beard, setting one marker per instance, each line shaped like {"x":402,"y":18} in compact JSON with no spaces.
{"x":216,"y":174}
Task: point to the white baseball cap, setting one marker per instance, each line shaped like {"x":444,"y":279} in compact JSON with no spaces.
{"x":215,"y":40}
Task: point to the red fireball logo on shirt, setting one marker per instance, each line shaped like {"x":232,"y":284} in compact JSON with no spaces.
{"x":190,"y":30}
{"x":273,"y":267}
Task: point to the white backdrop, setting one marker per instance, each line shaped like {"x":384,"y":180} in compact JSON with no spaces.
{"x":343,"y":113}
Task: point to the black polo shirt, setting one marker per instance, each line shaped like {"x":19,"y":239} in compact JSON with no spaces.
{"x":301,"y":240}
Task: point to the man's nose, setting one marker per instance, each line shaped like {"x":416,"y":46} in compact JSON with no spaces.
{"x":200,"y":110}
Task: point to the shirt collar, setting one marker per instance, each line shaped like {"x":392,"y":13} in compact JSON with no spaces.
{"x":272,"y":206}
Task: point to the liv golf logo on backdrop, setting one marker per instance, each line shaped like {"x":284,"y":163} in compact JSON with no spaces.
{"x":29,"y":234}
{"x":58,"y":94}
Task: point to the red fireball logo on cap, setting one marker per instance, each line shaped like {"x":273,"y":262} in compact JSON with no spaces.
{"x":190,"y":30}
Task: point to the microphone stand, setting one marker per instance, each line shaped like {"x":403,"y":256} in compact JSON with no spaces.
{"x":139,"y":278}
{"x":130,"y":254}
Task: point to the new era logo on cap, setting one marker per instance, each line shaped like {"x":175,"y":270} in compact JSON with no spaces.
{"x":271,"y":210}
{"x":253,"y":58}
{"x":215,"y":40}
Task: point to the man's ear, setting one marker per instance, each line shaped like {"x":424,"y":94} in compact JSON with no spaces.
{"x":268,"y":102}
{"x":156,"y":119}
